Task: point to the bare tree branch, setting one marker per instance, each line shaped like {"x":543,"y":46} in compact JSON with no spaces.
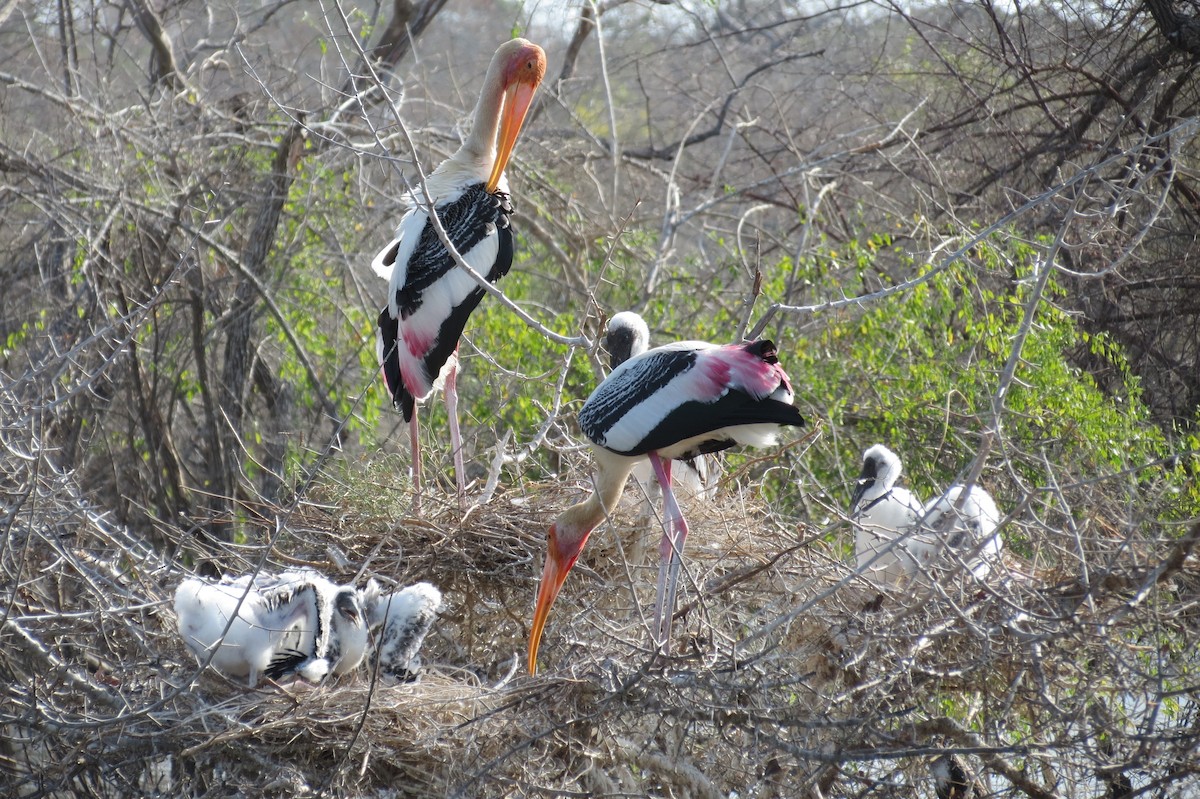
{"x":163,"y":66}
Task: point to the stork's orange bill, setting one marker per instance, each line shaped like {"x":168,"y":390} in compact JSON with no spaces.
{"x":522,"y":75}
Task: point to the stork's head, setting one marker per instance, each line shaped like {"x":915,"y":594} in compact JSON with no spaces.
{"x":521,"y":65}
{"x":564,"y":543}
{"x":627,"y":335}
{"x":349,"y":607}
{"x":881,"y":468}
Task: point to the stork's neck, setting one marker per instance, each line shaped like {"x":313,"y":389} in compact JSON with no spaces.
{"x":480,"y":146}
{"x":577,"y":521}
{"x":873,"y":497}
{"x":878,"y":489}
{"x":885,"y":481}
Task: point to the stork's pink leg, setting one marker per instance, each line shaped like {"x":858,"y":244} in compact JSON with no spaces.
{"x":451,"y":389}
{"x":414,"y":437}
{"x":675,"y":531}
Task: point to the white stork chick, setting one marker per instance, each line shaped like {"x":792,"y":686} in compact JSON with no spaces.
{"x":343,"y":645}
{"x":349,"y":634}
{"x":965,"y":526}
{"x":628,"y":336}
{"x":885,"y":517}
{"x":303,"y":648}
{"x":248,"y":626}
{"x":405,"y":618}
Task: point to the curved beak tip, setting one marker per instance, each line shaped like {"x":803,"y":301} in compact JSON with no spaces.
{"x":540,"y":614}
{"x":553,"y":577}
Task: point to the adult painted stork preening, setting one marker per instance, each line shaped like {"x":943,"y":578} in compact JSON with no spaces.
{"x":404,"y":619}
{"x":626,"y":336}
{"x":883,"y":513}
{"x":674,"y":401}
{"x":965,"y":527}
{"x":429,"y":296}
{"x":272,"y":617}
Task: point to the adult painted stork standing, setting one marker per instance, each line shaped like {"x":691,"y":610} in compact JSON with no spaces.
{"x":673,"y":401}
{"x":429,"y":296}
{"x":627,"y":335}
{"x":883,"y":513}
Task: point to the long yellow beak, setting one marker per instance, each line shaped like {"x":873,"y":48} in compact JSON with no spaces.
{"x":517,"y":99}
{"x":553,"y":576}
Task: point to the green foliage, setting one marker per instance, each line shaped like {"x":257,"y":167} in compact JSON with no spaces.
{"x":19,"y":339}
{"x":918,"y":371}
{"x":510,"y":386}
{"x":336,"y":336}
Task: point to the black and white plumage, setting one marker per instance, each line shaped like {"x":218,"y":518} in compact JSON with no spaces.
{"x":273,"y":617}
{"x":690,"y":398}
{"x":341,"y":650}
{"x":429,"y":296}
{"x":403,"y":619}
{"x":965,"y":527}
{"x":674,"y":401}
{"x":626,"y":336}
{"x":885,"y":517}
{"x":951,"y":780}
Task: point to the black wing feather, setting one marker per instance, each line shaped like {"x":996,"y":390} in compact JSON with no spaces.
{"x":389,"y":337}
{"x":285,"y":663}
{"x":695,"y":418}
{"x":467,"y":221}
{"x":625,"y":390}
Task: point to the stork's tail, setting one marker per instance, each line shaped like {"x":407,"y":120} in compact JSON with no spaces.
{"x":387,"y":345}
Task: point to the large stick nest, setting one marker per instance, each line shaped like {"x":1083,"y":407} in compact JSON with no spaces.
{"x":790,"y":674}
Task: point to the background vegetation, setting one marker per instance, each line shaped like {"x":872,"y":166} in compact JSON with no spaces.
{"x":971,"y":229}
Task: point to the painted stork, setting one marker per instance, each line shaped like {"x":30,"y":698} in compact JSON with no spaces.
{"x":429,"y":296}
{"x":952,"y":780}
{"x":674,"y":401}
{"x":271,"y":618}
{"x":405,"y":617}
{"x":965,"y":526}
{"x":883,"y":513}
{"x":628,"y":335}
{"x":340,"y":651}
